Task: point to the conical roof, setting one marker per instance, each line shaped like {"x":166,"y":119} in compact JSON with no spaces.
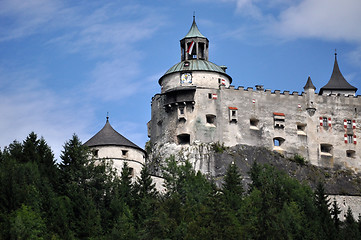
{"x":194,"y":31}
{"x":337,"y":81}
{"x":309,"y":84}
{"x":107,"y":136}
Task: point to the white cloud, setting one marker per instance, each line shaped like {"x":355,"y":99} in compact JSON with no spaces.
{"x":324,"y":19}
{"x":24,"y":18}
{"x":27,"y":106}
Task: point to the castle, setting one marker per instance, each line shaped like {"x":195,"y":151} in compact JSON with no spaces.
{"x":198,"y":105}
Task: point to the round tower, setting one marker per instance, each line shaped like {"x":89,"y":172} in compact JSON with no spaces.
{"x":111,"y":145}
{"x":186,"y":110}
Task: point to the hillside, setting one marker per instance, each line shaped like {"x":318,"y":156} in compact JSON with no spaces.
{"x":337,"y":182}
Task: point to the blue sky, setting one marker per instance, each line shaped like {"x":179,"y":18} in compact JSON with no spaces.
{"x":65,"y":64}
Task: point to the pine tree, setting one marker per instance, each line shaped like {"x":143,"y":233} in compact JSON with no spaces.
{"x":326,"y":225}
{"x":350,"y":228}
{"x":232,"y":187}
{"x":335,"y":211}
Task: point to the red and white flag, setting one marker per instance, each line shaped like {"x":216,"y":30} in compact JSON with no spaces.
{"x":190,"y":48}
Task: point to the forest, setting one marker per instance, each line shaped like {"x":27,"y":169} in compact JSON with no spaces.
{"x":80,"y":198}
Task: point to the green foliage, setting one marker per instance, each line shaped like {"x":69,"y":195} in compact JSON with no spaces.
{"x":299,"y":159}
{"x":218,"y":147}
{"x":84,"y":199}
{"x":232,"y":187}
{"x":27,"y":224}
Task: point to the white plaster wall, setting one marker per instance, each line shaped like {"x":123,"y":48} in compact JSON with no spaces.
{"x":199,"y":79}
{"x":115,"y":152}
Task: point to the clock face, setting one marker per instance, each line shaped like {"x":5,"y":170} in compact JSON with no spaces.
{"x":186,"y":78}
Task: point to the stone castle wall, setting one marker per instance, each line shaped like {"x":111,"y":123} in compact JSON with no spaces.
{"x":288,"y":123}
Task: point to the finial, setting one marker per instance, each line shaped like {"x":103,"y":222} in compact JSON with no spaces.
{"x":335,"y":52}
{"x":107,"y":116}
{"x":194,"y":15}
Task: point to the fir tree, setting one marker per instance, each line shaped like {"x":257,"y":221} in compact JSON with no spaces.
{"x":232,"y":187}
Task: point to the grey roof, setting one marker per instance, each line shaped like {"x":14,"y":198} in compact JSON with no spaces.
{"x":337,"y":81}
{"x":107,"y":136}
{"x":196,"y":65}
{"x":194,"y":31}
{"x":309,"y":84}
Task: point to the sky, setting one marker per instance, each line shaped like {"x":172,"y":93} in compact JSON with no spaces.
{"x":65,"y":65}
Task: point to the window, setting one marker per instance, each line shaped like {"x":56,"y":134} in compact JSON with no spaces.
{"x":95,"y":152}
{"x":324,"y":121}
{"x":253,"y":123}
{"x":233,"y":114}
{"x":278,"y":141}
{"x":124,"y":153}
{"x":210,"y":95}
{"x":349,"y":124}
{"x":279,"y":120}
{"x":183,"y":139}
{"x":211,"y":119}
{"x":326,"y":149}
{"x":350,"y":138}
{"x":181,"y":113}
{"x":350,"y":153}
{"x":301,"y":127}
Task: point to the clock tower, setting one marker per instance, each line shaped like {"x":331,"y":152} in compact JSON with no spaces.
{"x":185,"y":111}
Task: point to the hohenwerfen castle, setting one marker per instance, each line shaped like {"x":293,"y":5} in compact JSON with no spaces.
{"x":198,"y":105}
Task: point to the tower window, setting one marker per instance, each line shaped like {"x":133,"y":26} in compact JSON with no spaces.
{"x":211,"y":119}
{"x":95,"y":152}
{"x":183,"y":139}
{"x":124,"y":153}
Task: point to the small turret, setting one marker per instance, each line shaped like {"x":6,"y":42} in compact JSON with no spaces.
{"x":194,"y":45}
{"x":310,"y":96}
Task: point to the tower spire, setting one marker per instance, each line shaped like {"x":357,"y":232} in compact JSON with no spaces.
{"x":337,"y":82}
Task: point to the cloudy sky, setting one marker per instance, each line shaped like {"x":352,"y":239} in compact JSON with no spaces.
{"x":65,"y":64}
